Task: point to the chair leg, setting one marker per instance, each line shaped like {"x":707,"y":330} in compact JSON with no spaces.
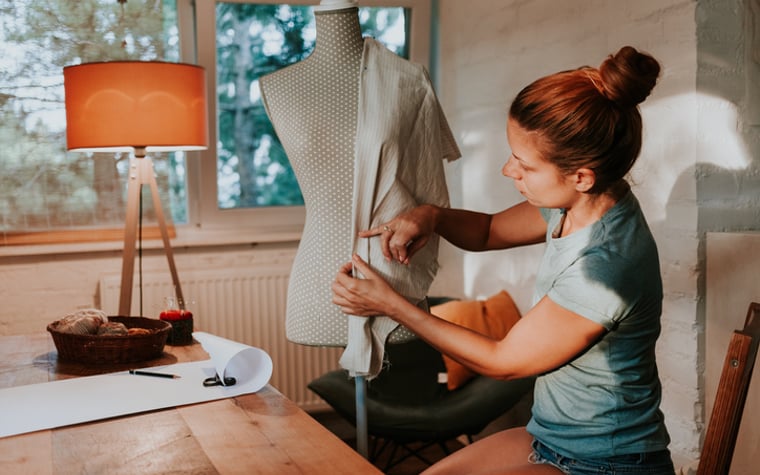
{"x":378,"y":447}
{"x":444,"y":447}
{"x":395,"y":458}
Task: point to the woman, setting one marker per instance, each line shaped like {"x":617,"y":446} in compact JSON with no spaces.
{"x":590,"y":335}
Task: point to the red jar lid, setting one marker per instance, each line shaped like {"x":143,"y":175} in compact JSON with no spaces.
{"x":173,"y":315}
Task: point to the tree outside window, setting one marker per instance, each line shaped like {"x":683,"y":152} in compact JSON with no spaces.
{"x":252,"y":41}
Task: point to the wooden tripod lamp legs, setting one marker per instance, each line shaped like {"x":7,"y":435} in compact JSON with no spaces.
{"x":141,"y":173}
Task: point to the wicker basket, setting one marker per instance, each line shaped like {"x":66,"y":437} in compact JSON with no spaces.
{"x":93,"y":349}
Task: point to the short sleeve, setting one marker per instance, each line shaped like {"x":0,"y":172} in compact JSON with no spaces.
{"x":449,"y":148}
{"x":592,"y":287}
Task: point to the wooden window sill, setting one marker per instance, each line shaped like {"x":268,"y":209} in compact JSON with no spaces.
{"x":78,"y":236}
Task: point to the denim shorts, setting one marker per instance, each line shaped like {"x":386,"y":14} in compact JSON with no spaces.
{"x":651,"y":463}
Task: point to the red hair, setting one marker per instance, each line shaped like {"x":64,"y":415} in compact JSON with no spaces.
{"x":588,"y":117}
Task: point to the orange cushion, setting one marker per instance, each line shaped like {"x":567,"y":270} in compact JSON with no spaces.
{"x":492,"y":317}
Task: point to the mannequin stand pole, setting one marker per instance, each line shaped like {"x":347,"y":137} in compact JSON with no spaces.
{"x":362,"y":445}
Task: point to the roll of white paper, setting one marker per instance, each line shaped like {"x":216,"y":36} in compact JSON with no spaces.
{"x":90,"y":398}
{"x":247,"y":364}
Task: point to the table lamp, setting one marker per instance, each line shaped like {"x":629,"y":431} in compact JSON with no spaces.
{"x":139,"y":107}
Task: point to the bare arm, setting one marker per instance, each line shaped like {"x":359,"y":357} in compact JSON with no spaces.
{"x":403,"y":236}
{"x":545,"y":338}
{"x":516,"y":226}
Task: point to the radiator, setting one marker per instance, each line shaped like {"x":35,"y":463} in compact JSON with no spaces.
{"x":245,"y":305}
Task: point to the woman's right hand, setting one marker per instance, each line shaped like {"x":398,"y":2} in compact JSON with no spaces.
{"x":407,"y":233}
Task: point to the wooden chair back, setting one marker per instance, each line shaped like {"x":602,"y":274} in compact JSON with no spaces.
{"x":723,"y":427}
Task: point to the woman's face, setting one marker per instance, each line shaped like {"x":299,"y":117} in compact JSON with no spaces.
{"x":539,"y":180}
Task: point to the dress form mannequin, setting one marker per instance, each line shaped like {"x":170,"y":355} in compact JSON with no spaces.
{"x":346,"y":130}
{"x":366,"y":136}
{"x":313,"y":106}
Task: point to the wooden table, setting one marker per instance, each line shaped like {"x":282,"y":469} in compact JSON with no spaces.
{"x":261,"y":433}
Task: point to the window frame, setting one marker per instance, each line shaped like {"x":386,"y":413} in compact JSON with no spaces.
{"x":262,"y":224}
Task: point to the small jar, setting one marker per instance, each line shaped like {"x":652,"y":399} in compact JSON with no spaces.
{"x":181,"y":321}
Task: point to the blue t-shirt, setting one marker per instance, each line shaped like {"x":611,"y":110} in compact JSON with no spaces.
{"x":605,"y":402}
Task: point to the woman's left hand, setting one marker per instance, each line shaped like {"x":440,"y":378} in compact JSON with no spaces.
{"x":365,"y":297}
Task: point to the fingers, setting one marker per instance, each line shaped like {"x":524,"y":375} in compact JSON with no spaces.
{"x":339,"y":294}
{"x":347,"y":269}
{"x":356,"y":295}
{"x":371,"y":232}
{"x":412,"y":248}
{"x":385,"y":232}
{"x":341,"y":287}
{"x":363,"y":268}
{"x":402,"y":248}
{"x":403,"y":236}
{"x":385,"y":242}
{"x":394,"y":244}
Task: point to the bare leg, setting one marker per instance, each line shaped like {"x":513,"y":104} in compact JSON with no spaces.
{"x":505,"y":452}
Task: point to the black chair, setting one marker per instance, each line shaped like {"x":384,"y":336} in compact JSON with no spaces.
{"x":408,"y":409}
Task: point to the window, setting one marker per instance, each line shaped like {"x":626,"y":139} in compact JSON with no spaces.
{"x":43,"y":188}
{"x":253,"y":40}
{"x":234,"y":187}
{"x":403,"y":25}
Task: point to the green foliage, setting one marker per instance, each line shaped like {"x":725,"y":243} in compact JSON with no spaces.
{"x":252,"y":41}
{"x":250,"y":149}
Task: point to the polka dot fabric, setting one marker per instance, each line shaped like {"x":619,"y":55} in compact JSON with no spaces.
{"x":313,"y":106}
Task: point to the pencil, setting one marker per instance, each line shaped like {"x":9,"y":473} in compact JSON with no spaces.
{"x":150,"y":373}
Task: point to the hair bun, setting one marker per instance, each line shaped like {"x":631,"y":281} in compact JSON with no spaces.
{"x":629,"y":76}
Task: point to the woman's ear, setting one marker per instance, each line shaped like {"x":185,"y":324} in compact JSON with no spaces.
{"x":585,"y":178}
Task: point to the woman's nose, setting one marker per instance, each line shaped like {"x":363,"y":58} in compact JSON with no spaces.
{"x":508,"y":170}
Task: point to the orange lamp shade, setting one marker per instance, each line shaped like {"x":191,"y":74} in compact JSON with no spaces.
{"x":122,"y":105}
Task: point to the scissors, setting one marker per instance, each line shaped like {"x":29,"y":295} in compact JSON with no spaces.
{"x":216,"y":381}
